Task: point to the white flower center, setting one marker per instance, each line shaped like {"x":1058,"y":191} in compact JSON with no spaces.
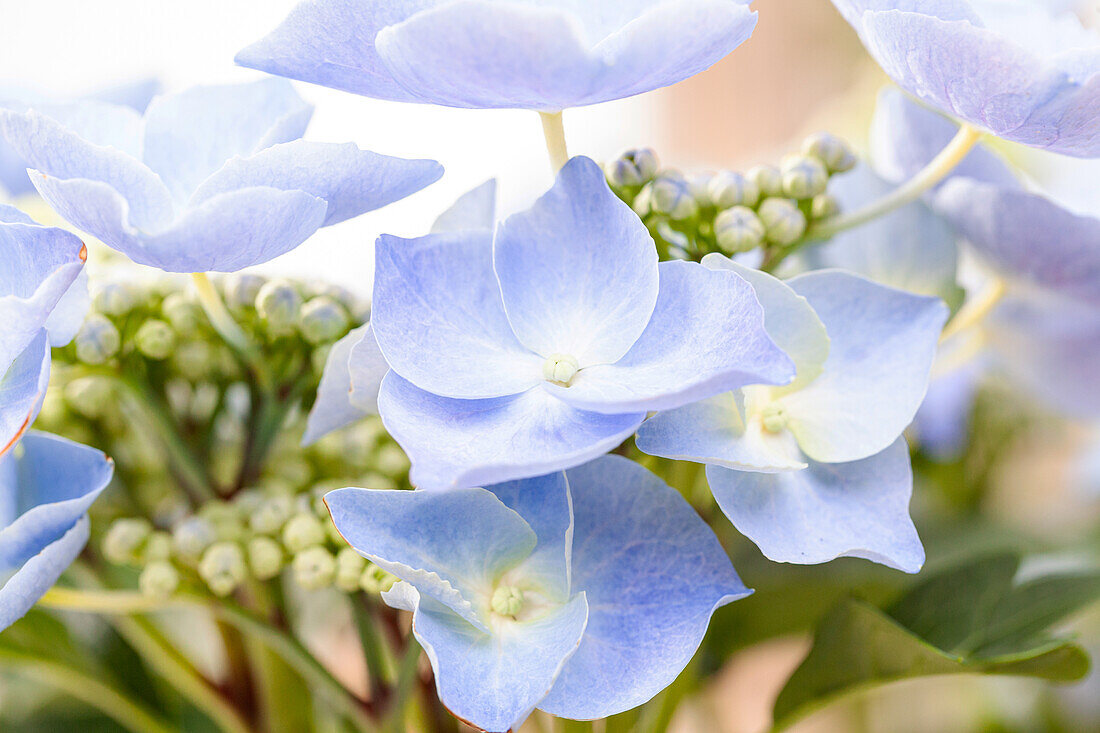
{"x":773,"y":418}
{"x":507,"y":600}
{"x":560,"y":369}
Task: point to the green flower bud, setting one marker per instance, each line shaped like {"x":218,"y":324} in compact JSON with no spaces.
{"x":195,"y":360}
{"x":319,"y":357}
{"x":738,"y":230}
{"x":192,"y":536}
{"x":559,"y":369}
{"x":158,"y":548}
{"x":728,"y":189}
{"x":323,"y":319}
{"x":89,"y":396}
{"x":823,"y":206}
{"x":632,"y":168}
{"x":270,"y":516}
{"x":114,"y":299}
{"x":507,"y":600}
{"x":279,"y":304}
{"x":223,"y":568}
{"x":302,"y":531}
{"x":803,"y":176}
{"x":241,"y":289}
{"x":376,"y":580}
{"x":314,"y":568}
{"x":159,"y":579}
{"x":226,"y":520}
{"x":124,"y":540}
{"x":181,"y":310}
{"x":265,"y":557}
{"x":783,"y":221}
{"x":349,"y":568}
{"x":97,"y":341}
{"x":155,"y":340}
{"x":768,"y":180}
{"x":836,"y":154}
{"x":670,"y":195}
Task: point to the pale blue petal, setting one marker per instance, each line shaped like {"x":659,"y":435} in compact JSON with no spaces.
{"x":22,"y":389}
{"x":439,"y":320}
{"x":578,"y":270}
{"x":714,"y":431}
{"x":190,"y":135}
{"x":135,"y":94}
{"x":39,"y":266}
{"x":333,"y":408}
{"x":367,"y":367}
{"x":1027,"y":237}
{"x":69,"y":313}
{"x":453,"y":546}
{"x":480,"y":442}
{"x":882,"y":342}
{"x":331,"y":42}
{"x":653,"y":573}
{"x":37,"y":575}
{"x":706,"y":336}
{"x":829,"y":510}
{"x":12,"y":215}
{"x":475,"y":209}
{"x":942,"y":424}
{"x":351,"y":180}
{"x":494,"y":681}
{"x":545,"y":504}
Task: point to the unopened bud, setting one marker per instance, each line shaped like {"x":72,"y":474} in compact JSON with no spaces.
{"x":88,"y":396}
{"x":114,"y":299}
{"x":783,"y":222}
{"x":376,"y":580}
{"x":158,"y":547}
{"x":323,"y":319}
{"x":265,"y":557}
{"x":97,"y":341}
{"x":159,"y":579}
{"x":824,"y":205}
{"x":836,"y":154}
{"x":124,"y":540}
{"x":768,"y":180}
{"x":155,"y":340}
{"x":241,"y":289}
{"x":804,"y":176}
{"x":279,"y":303}
{"x":669,"y":195}
{"x":302,"y":531}
{"x":633,"y":168}
{"x":728,"y":189}
{"x":271,"y":514}
{"x":192,"y":536}
{"x":181,"y":310}
{"x":738,"y":229}
{"x":223,"y":568}
{"x":314,"y":568}
{"x":349,"y":568}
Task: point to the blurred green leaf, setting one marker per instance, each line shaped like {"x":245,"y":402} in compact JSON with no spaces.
{"x":969,"y":619}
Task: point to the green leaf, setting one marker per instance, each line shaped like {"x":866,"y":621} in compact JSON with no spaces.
{"x":969,"y":619}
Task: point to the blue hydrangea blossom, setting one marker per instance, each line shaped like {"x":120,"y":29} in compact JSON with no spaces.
{"x":41,"y":265}
{"x":1012,"y":67}
{"x":817,"y":469}
{"x":209,"y":179}
{"x":47,"y":484}
{"x":546,"y":55}
{"x":522,"y":594}
{"x":544,"y":346}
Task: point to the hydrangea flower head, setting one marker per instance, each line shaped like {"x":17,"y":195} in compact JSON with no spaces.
{"x":1014,"y":67}
{"x":211,"y":178}
{"x":545,"y":55}
{"x":40,"y":266}
{"x":522,"y":594}
{"x":816,"y":469}
{"x":544,"y":346}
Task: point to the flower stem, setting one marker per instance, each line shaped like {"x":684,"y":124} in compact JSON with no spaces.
{"x":936,"y":170}
{"x":230,"y":331}
{"x":554,"y":132}
{"x":85,"y":687}
{"x":974,"y":310}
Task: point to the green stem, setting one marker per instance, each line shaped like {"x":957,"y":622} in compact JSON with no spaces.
{"x":373,"y":654}
{"x":230,"y":331}
{"x":406,"y":682}
{"x":85,"y":687}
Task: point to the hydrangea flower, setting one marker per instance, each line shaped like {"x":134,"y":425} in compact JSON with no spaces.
{"x":355,"y":367}
{"x":13,"y":168}
{"x":1012,"y":67}
{"x":40,"y":265}
{"x":212,"y":178}
{"x":46,"y":486}
{"x":544,"y":346}
{"x":545,"y":55}
{"x":817,"y":469}
{"x":525,"y":596}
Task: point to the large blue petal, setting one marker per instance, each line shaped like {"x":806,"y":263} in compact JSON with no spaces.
{"x":22,"y":389}
{"x":48,"y":484}
{"x":453,"y":546}
{"x":706,"y":336}
{"x":333,"y":408}
{"x":653,"y":573}
{"x":494,"y":680}
{"x":882,"y":342}
{"x":475,"y":209}
{"x":481,"y":442}
{"x":858,"y":509}
{"x":350,"y":180}
{"x":439,"y":320}
{"x":578,"y":270}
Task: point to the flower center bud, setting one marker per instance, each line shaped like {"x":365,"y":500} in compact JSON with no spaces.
{"x":773,"y":418}
{"x":507,"y":600}
{"x":560,"y":369}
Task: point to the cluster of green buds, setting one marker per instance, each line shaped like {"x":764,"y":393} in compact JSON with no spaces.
{"x":260,"y":535}
{"x":768,"y":207}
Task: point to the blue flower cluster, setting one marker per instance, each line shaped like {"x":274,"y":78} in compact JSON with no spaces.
{"x":513,"y":353}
